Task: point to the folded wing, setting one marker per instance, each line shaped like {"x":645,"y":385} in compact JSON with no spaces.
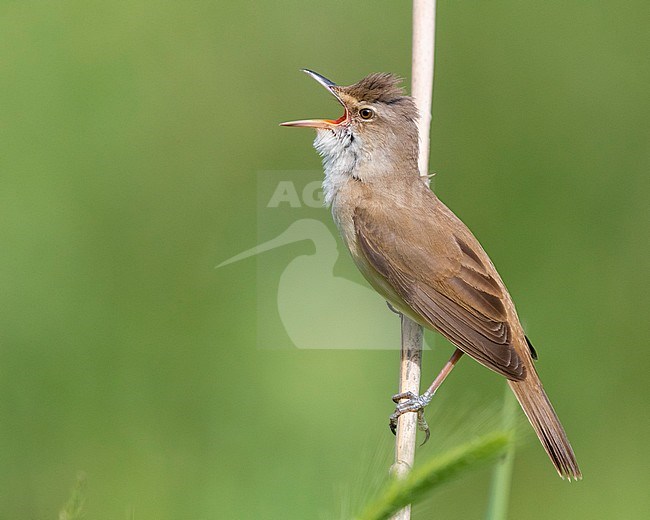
{"x":444,"y":280}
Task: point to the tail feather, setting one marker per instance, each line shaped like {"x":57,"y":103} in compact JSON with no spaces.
{"x":542,"y":417}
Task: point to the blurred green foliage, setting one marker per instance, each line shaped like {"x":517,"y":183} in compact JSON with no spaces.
{"x":131,"y":134}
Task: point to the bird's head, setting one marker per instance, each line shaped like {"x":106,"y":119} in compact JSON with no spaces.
{"x":377,"y":132}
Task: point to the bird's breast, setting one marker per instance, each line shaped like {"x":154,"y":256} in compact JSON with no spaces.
{"x":344,"y":206}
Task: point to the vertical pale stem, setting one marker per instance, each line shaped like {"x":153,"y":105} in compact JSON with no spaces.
{"x":411,"y":354}
{"x":424,"y":27}
{"x":410,"y":363}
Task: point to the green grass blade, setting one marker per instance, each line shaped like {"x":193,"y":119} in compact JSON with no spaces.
{"x":501,"y":480}
{"x":74,"y":509}
{"x":436,"y":472}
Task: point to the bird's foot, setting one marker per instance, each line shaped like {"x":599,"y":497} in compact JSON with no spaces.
{"x":411,"y":403}
{"x":393,"y":309}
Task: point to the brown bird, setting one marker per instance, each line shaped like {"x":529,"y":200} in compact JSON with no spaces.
{"x":417,"y":254}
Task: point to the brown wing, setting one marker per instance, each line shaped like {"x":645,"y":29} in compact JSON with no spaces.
{"x":442,"y":278}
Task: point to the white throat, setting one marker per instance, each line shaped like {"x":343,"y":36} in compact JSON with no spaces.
{"x":341,"y":153}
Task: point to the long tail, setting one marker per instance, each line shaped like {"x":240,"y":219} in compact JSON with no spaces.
{"x":542,"y":417}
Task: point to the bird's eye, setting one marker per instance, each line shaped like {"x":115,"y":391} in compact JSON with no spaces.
{"x":366,"y":113}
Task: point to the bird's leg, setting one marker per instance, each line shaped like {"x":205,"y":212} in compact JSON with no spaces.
{"x":414,"y":403}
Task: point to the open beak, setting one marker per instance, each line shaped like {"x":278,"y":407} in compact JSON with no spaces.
{"x":322,"y":123}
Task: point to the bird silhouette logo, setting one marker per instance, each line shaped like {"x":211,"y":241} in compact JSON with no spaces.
{"x":318,"y":309}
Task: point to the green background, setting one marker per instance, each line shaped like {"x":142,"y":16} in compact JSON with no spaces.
{"x":131,"y":136}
